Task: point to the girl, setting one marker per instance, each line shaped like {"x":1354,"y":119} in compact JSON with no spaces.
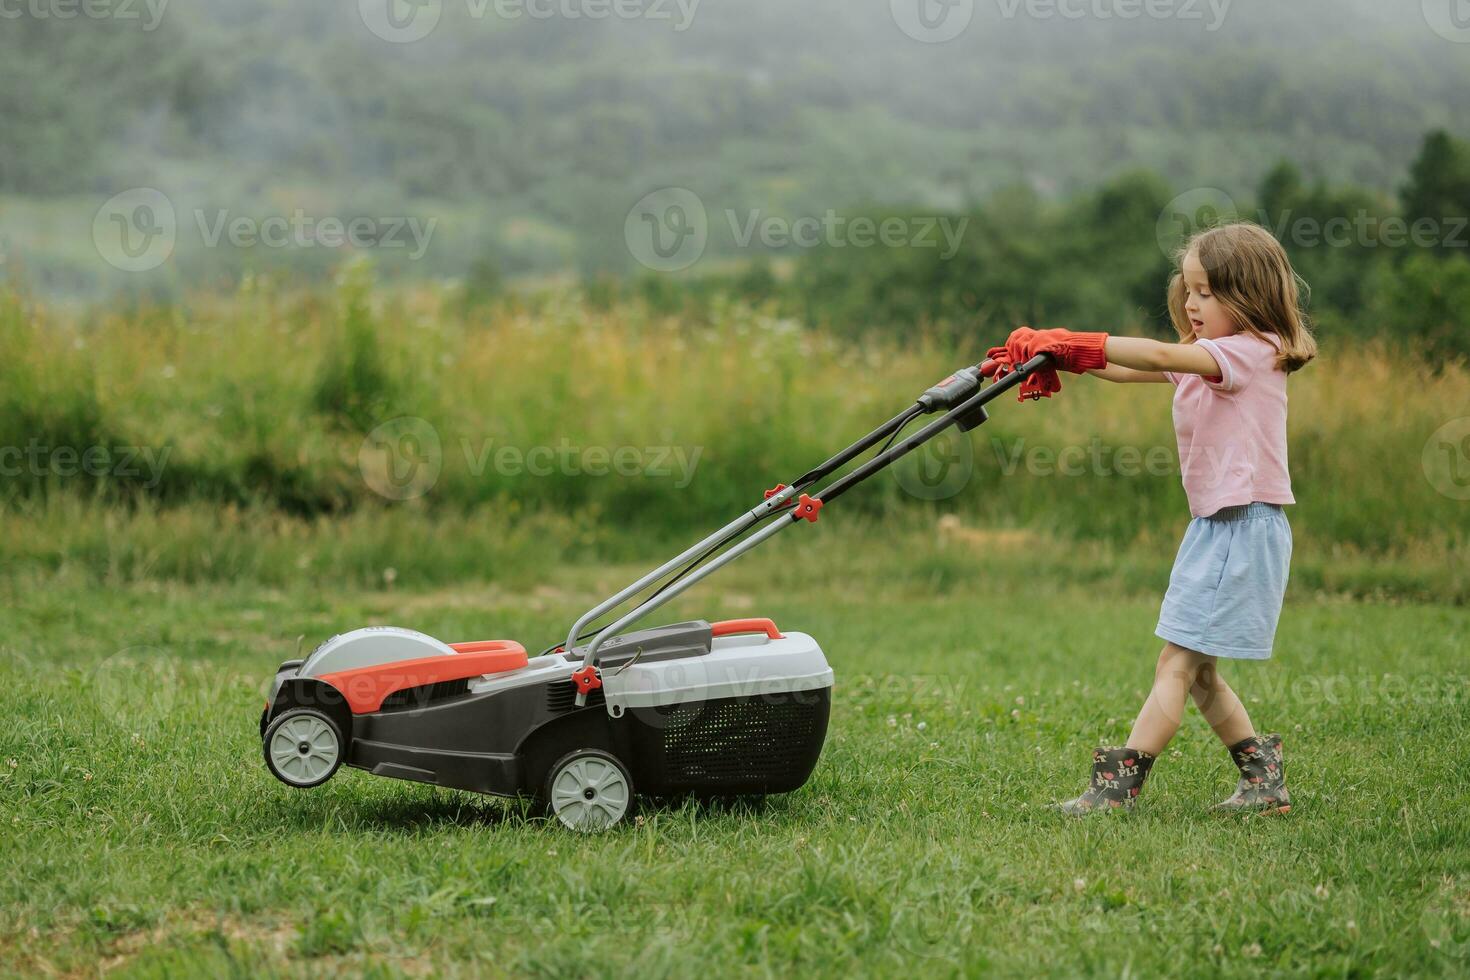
{"x":1235,"y":303}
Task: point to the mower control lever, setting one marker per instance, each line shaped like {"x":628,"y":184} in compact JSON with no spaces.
{"x":951,"y":391}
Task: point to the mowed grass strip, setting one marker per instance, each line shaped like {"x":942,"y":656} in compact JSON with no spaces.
{"x":142,"y":832}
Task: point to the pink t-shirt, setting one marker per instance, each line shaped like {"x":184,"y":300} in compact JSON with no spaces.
{"x":1232,"y":430}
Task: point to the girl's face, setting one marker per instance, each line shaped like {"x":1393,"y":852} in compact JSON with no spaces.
{"x":1209,"y":319}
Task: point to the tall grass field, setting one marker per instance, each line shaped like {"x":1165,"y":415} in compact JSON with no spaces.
{"x":307,"y":436}
{"x":190,"y":493}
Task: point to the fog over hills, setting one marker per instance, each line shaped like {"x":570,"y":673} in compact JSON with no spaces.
{"x":530,"y":127}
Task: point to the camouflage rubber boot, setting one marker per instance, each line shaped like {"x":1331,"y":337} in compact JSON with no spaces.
{"x":1262,"y":777}
{"x":1117,"y":776}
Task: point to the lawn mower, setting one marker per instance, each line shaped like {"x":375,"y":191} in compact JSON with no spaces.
{"x":695,"y":708}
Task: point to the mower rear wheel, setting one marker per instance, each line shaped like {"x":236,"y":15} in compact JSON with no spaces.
{"x":589,"y":791}
{"x":303,"y":748}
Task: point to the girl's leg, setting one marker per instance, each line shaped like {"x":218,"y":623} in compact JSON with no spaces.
{"x":1262,"y":783}
{"x":1118,"y":773}
{"x":1174,"y":676}
{"x":1220,"y":705}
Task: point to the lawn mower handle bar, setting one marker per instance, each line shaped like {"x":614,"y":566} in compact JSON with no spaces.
{"x":941,"y":395}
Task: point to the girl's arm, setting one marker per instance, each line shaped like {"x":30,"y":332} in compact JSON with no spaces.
{"x":1126,"y":375}
{"x":1133,"y":360}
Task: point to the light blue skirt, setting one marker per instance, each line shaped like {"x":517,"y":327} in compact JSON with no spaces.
{"x":1229,"y":578}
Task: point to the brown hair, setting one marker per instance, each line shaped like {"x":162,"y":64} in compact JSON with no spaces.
{"x":1252,"y":278}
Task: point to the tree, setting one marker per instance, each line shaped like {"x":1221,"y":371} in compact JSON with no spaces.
{"x":1439,"y":183}
{"x":1280,"y":189}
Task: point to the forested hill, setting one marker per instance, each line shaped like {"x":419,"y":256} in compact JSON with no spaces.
{"x":537,"y":133}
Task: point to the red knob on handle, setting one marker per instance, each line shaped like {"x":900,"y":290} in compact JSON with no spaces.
{"x":807,"y":507}
{"x":586,"y":679}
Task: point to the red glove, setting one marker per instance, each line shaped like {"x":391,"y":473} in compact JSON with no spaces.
{"x":1074,"y":352}
{"x":1038,"y":384}
{"x":1018,"y":345}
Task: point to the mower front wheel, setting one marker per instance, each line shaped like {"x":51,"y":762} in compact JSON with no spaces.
{"x":303,"y":748}
{"x":588,"y":790}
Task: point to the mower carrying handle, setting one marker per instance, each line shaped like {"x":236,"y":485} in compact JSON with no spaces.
{"x":968,"y":413}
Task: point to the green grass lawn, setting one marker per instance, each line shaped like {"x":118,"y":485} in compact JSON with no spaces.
{"x":143,"y":834}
